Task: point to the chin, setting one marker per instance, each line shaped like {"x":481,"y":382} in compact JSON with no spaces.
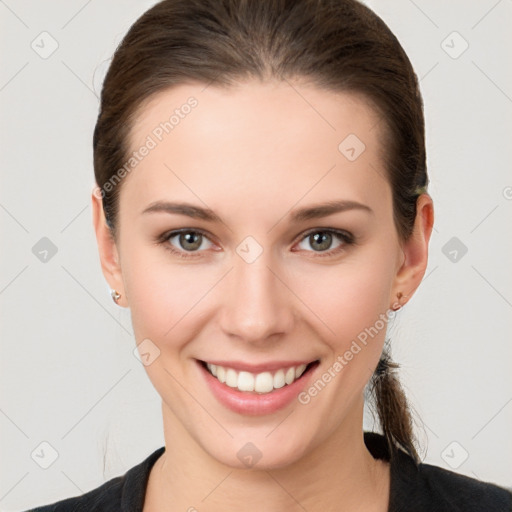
{"x":256,"y":456}
{"x":261,"y":448}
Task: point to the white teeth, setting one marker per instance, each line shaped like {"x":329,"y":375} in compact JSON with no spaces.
{"x":221,"y":373}
{"x":245,"y":381}
{"x":279,"y":379}
{"x":263,"y":382}
{"x":299,"y":370}
{"x":231,"y":378}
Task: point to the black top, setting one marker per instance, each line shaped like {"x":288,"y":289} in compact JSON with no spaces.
{"x":414,"y":488}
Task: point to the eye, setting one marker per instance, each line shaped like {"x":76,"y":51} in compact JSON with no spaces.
{"x":321,"y":239}
{"x":187,"y":242}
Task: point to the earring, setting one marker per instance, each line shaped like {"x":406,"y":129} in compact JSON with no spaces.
{"x":399,"y":295}
{"x":115,"y":296}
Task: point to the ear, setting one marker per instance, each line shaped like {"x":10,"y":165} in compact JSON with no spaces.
{"x":411,"y":270}
{"x":108,"y":252}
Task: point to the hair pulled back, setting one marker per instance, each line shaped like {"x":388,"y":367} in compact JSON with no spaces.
{"x":338,"y":45}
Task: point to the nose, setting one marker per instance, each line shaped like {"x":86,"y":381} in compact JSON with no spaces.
{"x":258,"y":304}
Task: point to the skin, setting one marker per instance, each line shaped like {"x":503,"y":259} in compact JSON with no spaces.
{"x":254,"y":153}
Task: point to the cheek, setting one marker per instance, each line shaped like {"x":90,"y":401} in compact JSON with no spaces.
{"x":352,"y":301}
{"x":350,"y":296}
{"x":161,"y":294}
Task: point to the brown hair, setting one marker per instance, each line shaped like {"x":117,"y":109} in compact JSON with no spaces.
{"x":338,"y":45}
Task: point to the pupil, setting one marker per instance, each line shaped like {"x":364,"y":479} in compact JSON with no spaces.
{"x":325,"y":236}
{"x":189,"y":239}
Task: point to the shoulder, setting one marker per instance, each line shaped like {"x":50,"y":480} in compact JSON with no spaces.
{"x":428,"y":487}
{"x":124,"y":492}
{"x":466,"y":493}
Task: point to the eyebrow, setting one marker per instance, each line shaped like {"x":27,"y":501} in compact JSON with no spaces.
{"x":300,"y":215}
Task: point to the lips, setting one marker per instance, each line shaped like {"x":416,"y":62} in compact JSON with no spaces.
{"x":271,"y":366}
{"x":253,"y":402}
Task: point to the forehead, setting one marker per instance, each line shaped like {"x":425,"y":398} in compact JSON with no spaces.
{"x":255,"y":143}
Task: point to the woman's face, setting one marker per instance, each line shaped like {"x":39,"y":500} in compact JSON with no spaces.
{"x":256,"y":284}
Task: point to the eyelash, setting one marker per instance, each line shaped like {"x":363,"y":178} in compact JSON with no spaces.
{"x":347,"y":238}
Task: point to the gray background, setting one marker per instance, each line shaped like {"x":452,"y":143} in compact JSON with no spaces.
{"x":69,"y":377}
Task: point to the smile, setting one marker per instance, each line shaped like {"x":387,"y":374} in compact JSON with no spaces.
{"x":264,"y":382}
{"x":256,"y":389}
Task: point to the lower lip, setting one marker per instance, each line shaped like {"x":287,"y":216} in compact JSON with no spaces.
{"x":251,"y":403}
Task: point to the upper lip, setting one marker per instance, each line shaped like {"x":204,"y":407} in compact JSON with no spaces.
{"x":259,"y":368}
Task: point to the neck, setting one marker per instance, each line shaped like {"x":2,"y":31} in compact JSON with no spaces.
{"x":340,"y":470}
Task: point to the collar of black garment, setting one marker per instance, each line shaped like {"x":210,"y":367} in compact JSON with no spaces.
{"x":136,"y":479}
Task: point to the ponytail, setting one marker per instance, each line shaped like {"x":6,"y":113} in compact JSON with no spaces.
{"x":390,"y":401}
